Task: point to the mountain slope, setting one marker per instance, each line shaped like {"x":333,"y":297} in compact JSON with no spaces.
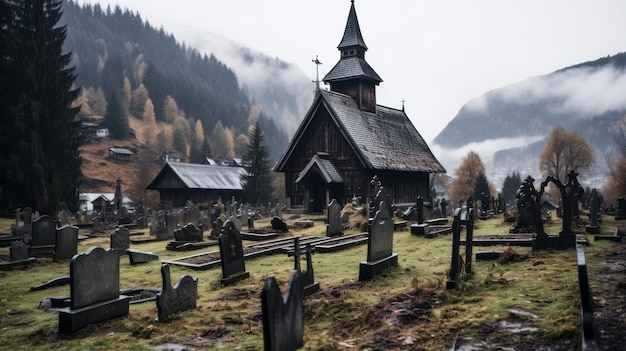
{"x":511,"y":123}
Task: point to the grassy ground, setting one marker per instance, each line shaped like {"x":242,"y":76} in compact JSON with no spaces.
{"x":405,"y":308}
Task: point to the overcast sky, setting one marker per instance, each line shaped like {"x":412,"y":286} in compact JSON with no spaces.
{"x":434,"y":54}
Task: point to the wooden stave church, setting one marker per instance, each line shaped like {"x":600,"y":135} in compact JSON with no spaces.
{"x":346,"y":139}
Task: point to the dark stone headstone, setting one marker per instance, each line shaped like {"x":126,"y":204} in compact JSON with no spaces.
{"x":279,"y":225}
{"x":176,"y":299}
{"x":380,"y":254}
{"x":334,"y":226}
{"x":419,"y":206}
{"x":592,"y":227}
{"x":217,"y":228}
{"x":137,"y":257}
{"x":231,"y":254}
{"x":308,"y":277}
{"x":66,"y":242}
{"x":124,"y":220}
{"x":43,"y":232}
{"x":444,"y":207}
{"x":283,"y":324}
{"x":18,"y":251}
{"x":188,"y":233}
{"x":94,"y":290}
{"x":160,"y":230}
{"x":120,"y":240}
{"x":621,"y":209}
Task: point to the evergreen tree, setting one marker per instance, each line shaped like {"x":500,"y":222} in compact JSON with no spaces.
{"x":481,"y":187}
{"x":113,"y":86}
{"x":116,"y":118}
{"x":257,"y":180}
{"x":41,"y":164}
{"x":510,"y":186}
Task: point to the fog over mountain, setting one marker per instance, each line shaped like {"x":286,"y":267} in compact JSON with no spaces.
{"x":512,"y":122}
{"x":282,"y":88}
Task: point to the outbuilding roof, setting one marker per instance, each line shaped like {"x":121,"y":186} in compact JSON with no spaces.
{"x":197,"y":176}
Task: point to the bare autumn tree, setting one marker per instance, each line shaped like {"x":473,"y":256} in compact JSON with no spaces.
{"x":564,"y":152}
{"x":465,"y":176}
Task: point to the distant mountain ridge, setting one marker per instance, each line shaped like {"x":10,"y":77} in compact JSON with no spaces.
{"x":512,"y":122}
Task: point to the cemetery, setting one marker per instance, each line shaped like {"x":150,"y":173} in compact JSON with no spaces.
{"x":365,"y":283}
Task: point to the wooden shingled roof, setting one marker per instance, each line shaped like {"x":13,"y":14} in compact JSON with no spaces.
{"x":385,"y":140}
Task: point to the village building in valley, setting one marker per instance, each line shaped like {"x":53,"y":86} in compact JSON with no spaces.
{"x":346,"y":139}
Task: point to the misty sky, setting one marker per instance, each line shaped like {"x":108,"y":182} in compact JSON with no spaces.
{"x":436,"y":55}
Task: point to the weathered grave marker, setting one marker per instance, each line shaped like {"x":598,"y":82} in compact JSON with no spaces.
{"x":176,"y":299}
{"x":43,"y":237}
{"x":461,"y":218}
{"x":137,"y":257}
{"x":283,"y":323}
{"x":66,"y":242}
{"x":120,"y":240}
{"x":188,"y":233}
{"x":380,"y":254}
{"x":18,"y":251}
{"x":94,"y":290}
{"x":310,"y":285}
{"x":279,"y":224}
{"x":334,"y":226}
{"x":231,"y":254}
{"x":592,"y":227}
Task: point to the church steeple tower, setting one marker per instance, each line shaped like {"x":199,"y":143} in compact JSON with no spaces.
{"x":352,"y":75}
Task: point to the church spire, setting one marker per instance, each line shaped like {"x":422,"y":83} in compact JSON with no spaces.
{"x":352,"y":75}
{"x":352,"y":42}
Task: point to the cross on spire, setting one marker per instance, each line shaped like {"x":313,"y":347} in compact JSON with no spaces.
{"x":317,"y":73}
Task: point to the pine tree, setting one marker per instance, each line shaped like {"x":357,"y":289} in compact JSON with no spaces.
{"x":257,"y":179}
{"x":113,"y":86}
{"x":41,"y":168}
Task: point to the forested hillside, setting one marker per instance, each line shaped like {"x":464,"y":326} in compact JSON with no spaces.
{"x":156,"y":94}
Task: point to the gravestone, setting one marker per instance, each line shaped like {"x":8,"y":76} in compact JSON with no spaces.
{"x":334,"y":226}
{"x":308,"y":277}
{"x":137,"y":257}
{"x":444,"y":207}
{"x":171,"y":221}
{"x":217,"y":228}
{"x":66,"y":242}
{"x":176,"y":299}
{"x":419,"y":207}
{"x":160,"y":230}
{"x":279,"y":225}
{"x":244,"y":216}
{"x":188,"y":233}
{"x":621,"y":209}
{"x":43,"y":237}
{"x":94,"y":290}
{"x":120,"y":240}
{"x":380,"y":254}
{"x":592,"y":227}
{"x":231,"y":254}
{"x":18,"y":251}
{"x":283,"y":322}
{"x":235,"y":221}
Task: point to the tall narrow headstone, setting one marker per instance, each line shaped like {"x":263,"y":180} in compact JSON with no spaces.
{"x":308,"y":277}
{"x":380,"y":254}
{"x":66,"y":242}
{"x":94,"y":290}
{"x":231,"y":254}
{"x":334,"y":226}
{"x":283,"y":322}
{"x":176,"y":299}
